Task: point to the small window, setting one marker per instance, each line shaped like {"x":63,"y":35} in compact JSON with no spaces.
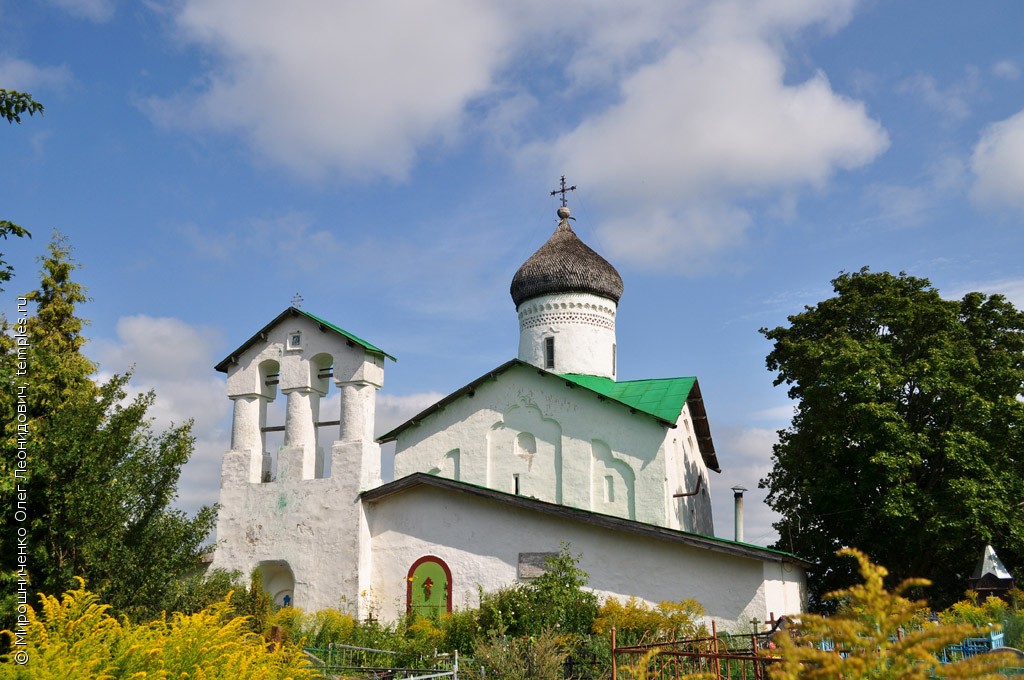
{"x":295,"y":340}
{"x":613,"y":358}
{"x":515,"y":482}
{"x":549,"y":353}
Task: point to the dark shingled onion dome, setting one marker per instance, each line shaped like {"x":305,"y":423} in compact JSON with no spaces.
{"x":565,"y":264}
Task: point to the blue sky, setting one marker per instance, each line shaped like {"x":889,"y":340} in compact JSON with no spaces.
{"x":391,"y":162}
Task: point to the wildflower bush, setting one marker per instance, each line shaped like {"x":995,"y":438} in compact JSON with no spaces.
{"x":882,"y":635}
{"x":533,"y":657}
{"x":74,"y":637}
{"x":636,"y":622}
{"x":993,"y":611}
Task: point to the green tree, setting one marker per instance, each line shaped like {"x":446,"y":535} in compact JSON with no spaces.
{"x":12,"y":105}
{"x":97,"y":487}
{"x":908,"y":434}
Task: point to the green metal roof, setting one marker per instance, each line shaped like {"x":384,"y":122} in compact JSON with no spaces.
{"x":661,"y":397}
{"x":342,"y":331}
{"x":295,"y":311}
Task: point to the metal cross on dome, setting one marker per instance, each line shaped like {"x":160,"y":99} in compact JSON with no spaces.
{"x":564,"y":190}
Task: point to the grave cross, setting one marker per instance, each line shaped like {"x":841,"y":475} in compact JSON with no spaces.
{"x":564,"y":190}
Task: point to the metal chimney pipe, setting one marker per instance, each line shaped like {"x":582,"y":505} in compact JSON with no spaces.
{"x":737,"y":495}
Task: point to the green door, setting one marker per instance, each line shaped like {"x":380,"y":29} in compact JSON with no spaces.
{"x":428,"y":588}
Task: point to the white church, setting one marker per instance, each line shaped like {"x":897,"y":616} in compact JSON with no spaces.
{"x":545,"y":450}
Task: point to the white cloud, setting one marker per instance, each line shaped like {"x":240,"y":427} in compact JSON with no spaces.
{"x":998,"y":165}
{"x":1006,"y":69}
{"x":717,"y":119}
{"x":702,"y":115}
{"x":18,"y":74}
{"x":168,"y":355}
{"x":338,"y":87}
{"x":900,"y":206}
{"x":393,"y":410}
{"x":951,"y":101}
{"x":745,"y":455}
{"x":93,"y":10}
{"x":783,"y":414}
{"x":676,"y":239}
{"x":1011,"y":289}
{"x":712,"y":122}
{"x":161,"y":348}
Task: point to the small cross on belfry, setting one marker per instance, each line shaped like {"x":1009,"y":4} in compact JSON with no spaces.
{"x":297,"y":301}
{"x":564,"y":190}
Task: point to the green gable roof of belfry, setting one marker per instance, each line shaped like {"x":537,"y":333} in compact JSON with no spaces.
{"x":325,"y":326}
{"x":662,"y":399}
{"x":359,"y":341}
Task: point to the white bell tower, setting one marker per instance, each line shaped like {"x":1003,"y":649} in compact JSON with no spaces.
{"x":301,"y":522}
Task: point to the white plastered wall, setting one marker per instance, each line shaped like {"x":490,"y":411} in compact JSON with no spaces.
{"x":583,"y":445}
{"x":686,"y":472}
{"x":480,"y":540}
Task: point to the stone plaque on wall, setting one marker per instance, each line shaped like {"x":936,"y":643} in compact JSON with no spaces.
{"x":532,"y":565}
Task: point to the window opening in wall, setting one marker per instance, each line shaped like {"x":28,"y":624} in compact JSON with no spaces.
{"x":613,"y":358}
{"x":549,"y":352}
{"x":515,"y":482}
{"x":609,"y":489}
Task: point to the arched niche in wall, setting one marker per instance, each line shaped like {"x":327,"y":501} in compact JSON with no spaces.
{"x":428,"y":587}
{"x":278,"y":581}
{"x":613,"y":483}
{"x":524,"y":454}
{"x":449,"y":466}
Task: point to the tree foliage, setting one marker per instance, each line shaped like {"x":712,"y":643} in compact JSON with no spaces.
{"x":556,"y":600}
{"x":99,"y":482}
{"x":881,"y":636}
{"x":8,"y":228}
{"x":12,"y":105}
{"x":908,"y":435}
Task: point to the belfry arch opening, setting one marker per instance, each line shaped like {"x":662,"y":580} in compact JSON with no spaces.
{"x":327,"y":413}
{"x":271,"y":440}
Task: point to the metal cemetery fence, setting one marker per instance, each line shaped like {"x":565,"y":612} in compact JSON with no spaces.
{"x":363,"y":662}
{"x":732,"y":657}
